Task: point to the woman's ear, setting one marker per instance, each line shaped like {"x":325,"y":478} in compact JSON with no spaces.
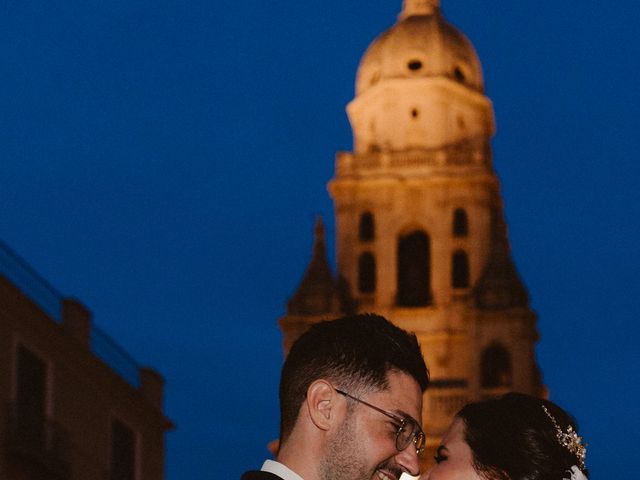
{"x":321,"y":403}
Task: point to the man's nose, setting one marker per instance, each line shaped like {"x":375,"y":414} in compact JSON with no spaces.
{"x":408,"y":460}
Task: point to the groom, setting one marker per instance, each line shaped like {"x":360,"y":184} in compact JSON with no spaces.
{"x":350,"y":404}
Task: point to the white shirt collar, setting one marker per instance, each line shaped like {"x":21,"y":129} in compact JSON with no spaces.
{"x":279,"y":469}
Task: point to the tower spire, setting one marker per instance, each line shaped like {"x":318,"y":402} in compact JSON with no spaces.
{"x":318,"y":291}
{"x":419,"y":7}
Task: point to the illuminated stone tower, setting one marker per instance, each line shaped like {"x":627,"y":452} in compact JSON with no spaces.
{"x":420,"y":230}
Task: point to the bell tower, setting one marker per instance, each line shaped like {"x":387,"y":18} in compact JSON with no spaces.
{"x":420,"y":230}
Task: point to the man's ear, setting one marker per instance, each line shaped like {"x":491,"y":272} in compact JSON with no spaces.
{"x":321,"y":404}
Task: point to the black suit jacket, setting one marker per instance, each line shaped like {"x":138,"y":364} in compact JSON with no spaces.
{"x":257,"y":475}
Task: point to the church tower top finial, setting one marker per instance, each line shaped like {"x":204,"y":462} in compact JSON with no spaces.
{"x":419,"y":7}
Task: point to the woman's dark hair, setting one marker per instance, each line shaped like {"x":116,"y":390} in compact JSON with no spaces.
{"x":512,"y":438}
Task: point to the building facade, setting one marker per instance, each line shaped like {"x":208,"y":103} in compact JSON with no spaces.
{"x":420,"y":231}
{"x":74,"y":405}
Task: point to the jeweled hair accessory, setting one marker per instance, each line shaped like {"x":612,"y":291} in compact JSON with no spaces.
{"x":569,"y":439}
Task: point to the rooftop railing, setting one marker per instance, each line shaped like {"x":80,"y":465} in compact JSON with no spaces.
{"x":107,"y":350}
{"x":472,"y":153}
{"x":29,"y":282}
{"x":34,"y":286}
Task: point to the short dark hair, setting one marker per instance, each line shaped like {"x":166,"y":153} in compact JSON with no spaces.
{"x":356,"y":352}
{"x":512,"y":437}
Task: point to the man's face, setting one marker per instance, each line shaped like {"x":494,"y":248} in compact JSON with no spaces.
{"x":364,"y":447}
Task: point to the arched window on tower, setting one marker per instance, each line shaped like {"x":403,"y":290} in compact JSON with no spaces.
{"x":367,"y":230}
{"x":460,"y":223}
{"x":496,"y":367}
{"x":367,"y":273}
{"x":460,"y":269}
{"x":414,"y":270}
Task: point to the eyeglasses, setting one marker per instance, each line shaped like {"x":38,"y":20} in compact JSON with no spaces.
{"x":408,"y":429}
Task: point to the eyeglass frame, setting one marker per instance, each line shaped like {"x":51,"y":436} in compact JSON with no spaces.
{"x":403,"y":421}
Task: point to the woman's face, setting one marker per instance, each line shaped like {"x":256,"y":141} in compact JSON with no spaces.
{"x":454,"y":458}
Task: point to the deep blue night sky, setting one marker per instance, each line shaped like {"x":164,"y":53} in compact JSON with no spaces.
{"x":163,"y":162}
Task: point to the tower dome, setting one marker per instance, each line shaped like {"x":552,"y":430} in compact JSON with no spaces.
{"x":419,"y":87}
{"x":421,"y":44}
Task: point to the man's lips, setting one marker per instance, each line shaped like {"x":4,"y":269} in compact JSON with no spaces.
{"x":388,"y":473}
{"x":383,"y":476}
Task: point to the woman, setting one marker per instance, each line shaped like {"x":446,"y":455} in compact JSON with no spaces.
{"x":514,"y":437}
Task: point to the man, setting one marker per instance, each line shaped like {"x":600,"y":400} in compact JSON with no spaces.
{"x":350,"y":404}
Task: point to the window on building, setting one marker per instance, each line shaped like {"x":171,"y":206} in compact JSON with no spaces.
{"x":496,"y":367}
{"x":374,"y":78}
{"x":460,"y":223}
{"x":460,"y":270}
{"x":367,"y":273}
{"x":367,"y":230}
{"x":460,"y":122}
{"x":123,"y":452}
{"x":414,"y":275}
{"x":414,"y":65}
{"x":30,"y":404}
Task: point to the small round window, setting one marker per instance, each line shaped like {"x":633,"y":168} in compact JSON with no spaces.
{"x":458,"y":74}
{"x":414,"y":65}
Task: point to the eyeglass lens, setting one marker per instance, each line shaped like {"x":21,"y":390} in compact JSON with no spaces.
{"x":410,"y":432}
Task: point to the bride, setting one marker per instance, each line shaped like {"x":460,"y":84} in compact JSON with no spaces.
{"x":513,"y":437}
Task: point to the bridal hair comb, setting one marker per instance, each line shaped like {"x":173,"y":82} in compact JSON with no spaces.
{"x":569,"y":439}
